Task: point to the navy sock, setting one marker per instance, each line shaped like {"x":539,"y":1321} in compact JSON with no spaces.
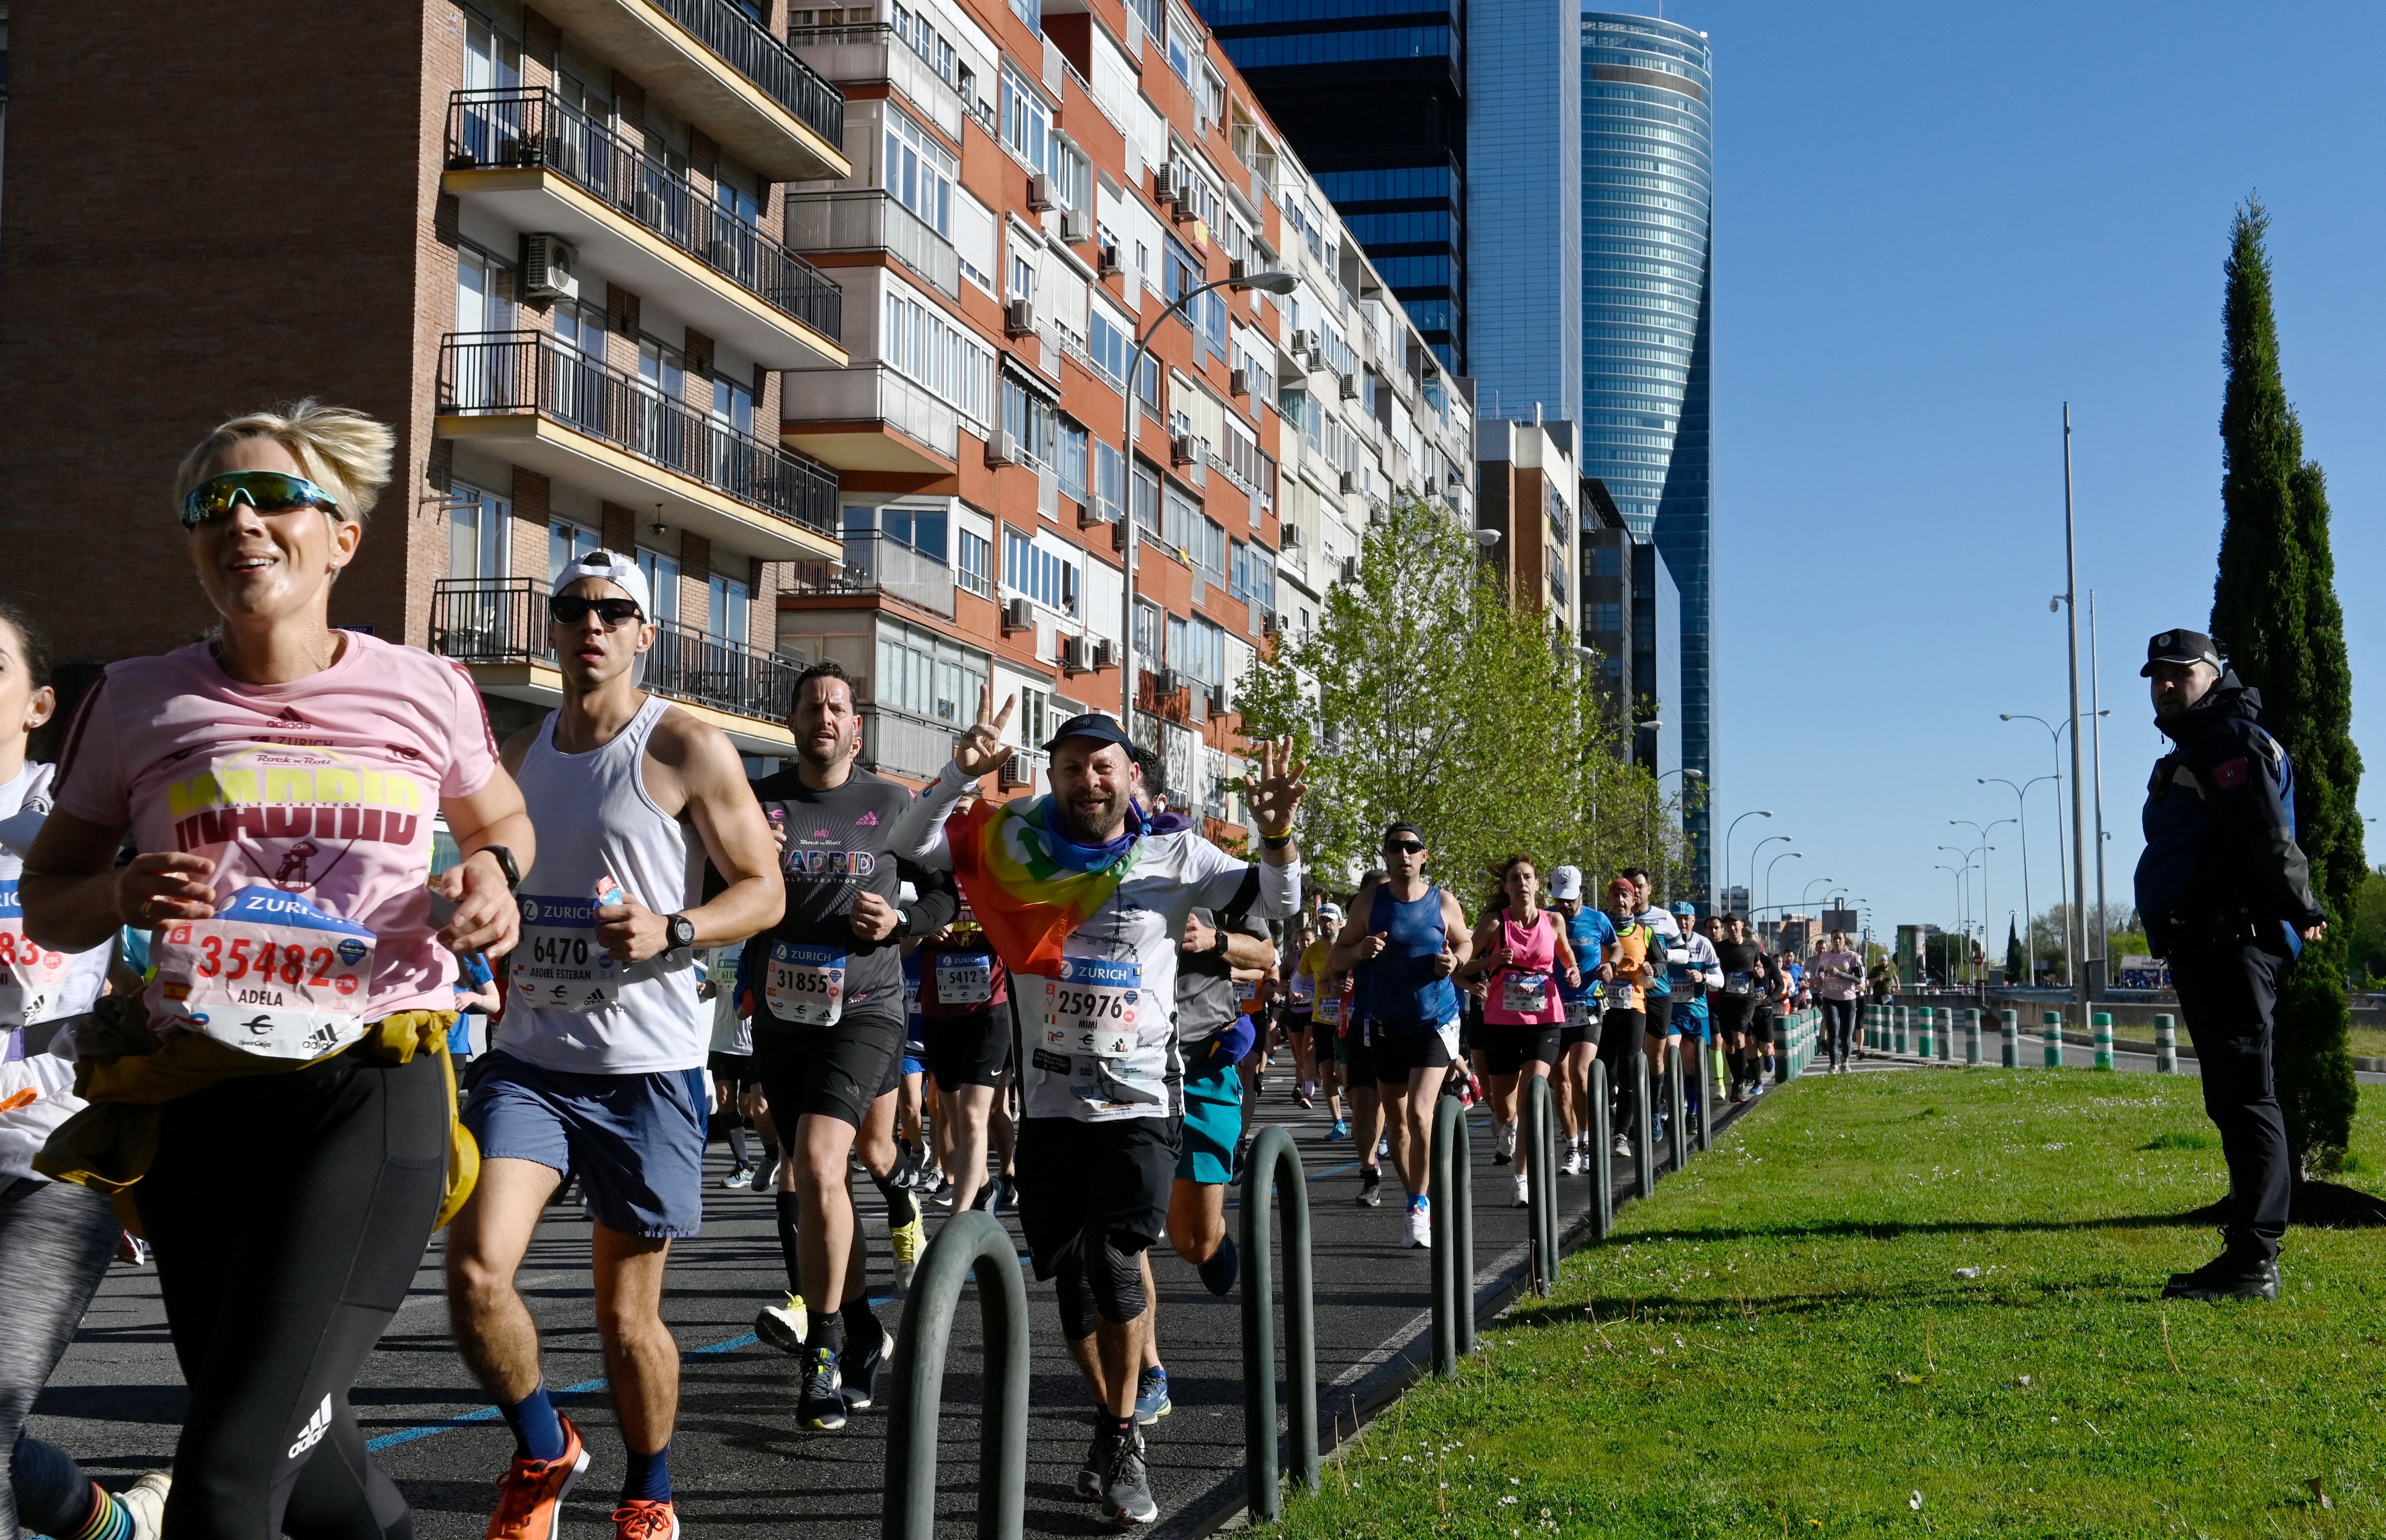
{"x":787,"y":1210}
{"x":860,"y":1326}
{"x":538,"y":1431}
{"x":1218,"y":1272}
{"x":828,"y":1331}
{"x":54,"y":1496}
{"x":902,"y":1203}
{"x":647,"y":1476}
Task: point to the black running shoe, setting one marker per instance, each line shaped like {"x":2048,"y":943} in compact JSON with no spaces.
{"x":1126,"y":1485}
{"x":1090,"y":1480}
{"x":821,"y":1407}
{"x":1371,"y":1188}
{"x":857,"y":1371}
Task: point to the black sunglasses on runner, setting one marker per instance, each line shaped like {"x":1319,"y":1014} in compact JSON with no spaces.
{"x":1406,"y":847}
{"x":570,"y":610}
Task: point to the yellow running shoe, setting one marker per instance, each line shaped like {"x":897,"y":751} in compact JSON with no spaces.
{"x":784,"y":1326}
{"x":909,"y":1241}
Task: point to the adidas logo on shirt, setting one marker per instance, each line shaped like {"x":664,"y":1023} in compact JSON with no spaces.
{"x":867,"y":820}
{"x":312,"y":1433}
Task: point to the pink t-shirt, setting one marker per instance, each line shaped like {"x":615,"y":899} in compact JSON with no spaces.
{"x":325,"y":787}
{"x":1525,"y":993}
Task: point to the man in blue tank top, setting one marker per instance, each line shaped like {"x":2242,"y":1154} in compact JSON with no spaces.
{"x":1592,"y":936}
{"x":1412,"y":936}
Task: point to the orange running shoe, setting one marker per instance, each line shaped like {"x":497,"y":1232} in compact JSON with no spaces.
{"x":642,"y":1518}
{"x":530,"y":1496}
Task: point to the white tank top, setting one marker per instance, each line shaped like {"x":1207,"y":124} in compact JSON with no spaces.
{"x":569,"y":1006}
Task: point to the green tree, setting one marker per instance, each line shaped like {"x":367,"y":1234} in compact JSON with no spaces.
{"x":1421,"y":694}
{"x":2275,"y":617}
{"x":2367,"y":942}
{"x":2016,"y":966}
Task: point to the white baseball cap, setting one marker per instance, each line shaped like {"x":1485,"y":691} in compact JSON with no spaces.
{"x":1566,"y":883}
{"x":615,"y":567}
{"x":1330,"y":911}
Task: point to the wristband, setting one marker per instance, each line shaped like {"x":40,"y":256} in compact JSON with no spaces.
{"x":1276,"y":841}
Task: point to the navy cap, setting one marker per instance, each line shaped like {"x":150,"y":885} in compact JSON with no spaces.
{"x":2179,"y":646}
{"x":1094,"y":725}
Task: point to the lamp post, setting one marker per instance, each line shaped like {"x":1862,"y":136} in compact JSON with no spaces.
{"x":1752,"y":864}
{"x":1958,"y":873}
{"x":2070,"y":899}
{"x":1964,"y":900}
{"x":1984,"y":831}
{"x":2021,"y":809}
{"x":1273,"y":282}
{"x":1761,"y":812}
{"x":1648,"y":822}
{"x":1785,"y":856}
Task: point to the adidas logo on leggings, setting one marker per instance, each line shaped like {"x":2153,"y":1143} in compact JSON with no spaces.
{"x":312,"y":1433}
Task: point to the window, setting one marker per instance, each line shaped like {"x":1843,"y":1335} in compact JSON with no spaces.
{"x":485,"y":292}
{"x":975,"y":569}
{"x":974,"y":239}
{"x":1202,"y":542}
{"x":1147,"y":632}
{"x":922,"y":673}
{"x":580,"y":328}
{"x":922,"y":530}
{"x":1022,"y":269}
{"x":1071,"y":469}
{"x":731,"y":615}
{"x":492,"y":60}
{"x":1179,"y":272}
{"x":661,"y":369}
{"x":1606,"y":561}
{"x":1110,"y":493}
{"x":1108,"y":347}
{"x":1252,"y":579}
{"x":1197,"y":648}
{"x":1210,"y":322}
{"x":567,"y":543}
{"x":1180,"y":46}
{"x":925,"y":347}
{"x":476,"y":532}
{"x":661,"y":573}
{"x":1031,"y":12}
{"x":1036,"y":718}
{"x":1153,"y":14}
{"x":1605,"y":616}
{"x":1028,"y":568}
{"x":919,"y":172}
{"x":1147,"y":502}
{"x":925,"y":41}
{"x":1032,"y":423}
{"x":1026,"y":121}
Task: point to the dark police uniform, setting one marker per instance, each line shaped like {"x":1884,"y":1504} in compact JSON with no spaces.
{"x":2225,"y":892}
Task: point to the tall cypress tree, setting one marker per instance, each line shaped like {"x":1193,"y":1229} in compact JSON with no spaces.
{"x":2275,"y":617}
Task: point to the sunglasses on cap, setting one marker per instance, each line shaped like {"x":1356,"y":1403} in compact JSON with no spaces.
{"x":570,"y":610}
{"x":266,"y":490}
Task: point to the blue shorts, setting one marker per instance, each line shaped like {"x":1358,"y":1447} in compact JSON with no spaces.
{"x":1691,"y":1017}
{"x":1213,"y":1125}
{"x":636,"y":1142}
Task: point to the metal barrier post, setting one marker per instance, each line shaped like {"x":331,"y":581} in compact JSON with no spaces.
{"x":908,"y":1501}
{"x":1872,"y":1029}
{"x":2101,"y":1021}
{"x":1271,"y":1172}
{"x":1904,"y":1019}
{"x":1783,"y":1069}
{"x":2051,"y":1029}
{"x":1710,"y":1072}
{"x":1644,"y":1127}
{"x":2009,"y":1026}
{"x":1603,"y":1154}
{"x":1947,"y":1015}
{"x":1536,"y":1138}
{"x":1972,"y":1037}
{"x":1922,"y":1031}
{"x":2166,"y":1045}
{"x":1677,"y":1109}
{"x":1451,"y":1190}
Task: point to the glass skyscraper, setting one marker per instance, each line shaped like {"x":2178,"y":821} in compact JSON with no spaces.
{"x":1647,"y":198}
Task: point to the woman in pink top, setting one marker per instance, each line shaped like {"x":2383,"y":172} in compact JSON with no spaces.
{"x":280,"y":781}
{"x":1521,"y":962}
{"x":1837,"y":977}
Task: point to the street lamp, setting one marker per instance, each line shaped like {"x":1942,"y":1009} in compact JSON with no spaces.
{"x":2021,"y":809}
{"x":1762,"y":812}
{"x":1958,"y":875}
{"x":1272,"y":282}
{"x":1752,"y":865}
{"x":1785,"y":856}
{"x":2077,"y":927}
{"x":1649,"y":821}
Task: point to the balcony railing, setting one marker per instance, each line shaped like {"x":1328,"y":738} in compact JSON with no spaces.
{"x":871,"y":50}
{"x":496,"y":373}
{"x":871,"y":393}
{"x":727,"y":29}
{"x":874,"y":564}
{"x":898,"y":742}
{"x":531,"y":127}
{"x":504,"y":620}
{"x":873,"y":220}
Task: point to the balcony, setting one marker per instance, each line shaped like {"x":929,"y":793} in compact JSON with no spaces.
{"x":897,"y":743}
{"x":871,"y":54}
{"x":498,"y":627}
{"x":524,"y":398}
{"x":868,"y":417}
{"x":874,"y":221}
{"x":543,"y":167}
{"x":712,"y":64}
{"x":876,"y":566}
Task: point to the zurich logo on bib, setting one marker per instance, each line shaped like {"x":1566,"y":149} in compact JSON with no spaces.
{"x":557,"y":963}
{"x":270,"y":975}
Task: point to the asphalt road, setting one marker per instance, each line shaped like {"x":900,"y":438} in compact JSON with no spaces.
{"x":738,"y":1460}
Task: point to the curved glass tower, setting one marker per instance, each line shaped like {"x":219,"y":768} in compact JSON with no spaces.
{"x":1648,"y":196}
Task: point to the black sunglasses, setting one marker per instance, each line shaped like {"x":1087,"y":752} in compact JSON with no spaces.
{"x":570,"y":610}
{"x":1406,"y":847}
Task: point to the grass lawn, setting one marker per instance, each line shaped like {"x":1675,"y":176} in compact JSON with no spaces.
{"x":1921,"y":1304}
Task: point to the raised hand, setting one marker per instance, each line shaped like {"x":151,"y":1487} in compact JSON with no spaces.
{"x":982,"y":751}
{"x":1282,"y":784}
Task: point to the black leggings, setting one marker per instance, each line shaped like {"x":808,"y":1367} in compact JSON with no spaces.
{"x":1838,"y":1027}
{"x":289,"y":1212}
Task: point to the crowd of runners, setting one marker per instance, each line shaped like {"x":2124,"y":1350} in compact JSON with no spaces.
{"x":233,"y":1038}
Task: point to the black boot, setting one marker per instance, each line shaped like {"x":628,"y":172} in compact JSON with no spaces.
{"x":2240,"y":1272}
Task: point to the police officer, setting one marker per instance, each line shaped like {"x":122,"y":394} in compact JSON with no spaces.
{"x":2226,"y":895}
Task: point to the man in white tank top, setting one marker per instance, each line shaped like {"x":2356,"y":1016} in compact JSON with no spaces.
{"x":601,"y":1070}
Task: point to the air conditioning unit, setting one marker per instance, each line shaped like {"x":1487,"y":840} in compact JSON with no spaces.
{"x":1166,"y":682}
{"x":1304,"y":341}
{"x":1350,"y":482}
{"x":1238,"y":270}
{"x":550,"y":268}
{"x":1108,"y":266}
{"x":1105,"y":654}
{"x":1073,"y":650}
{"x":1429,"y":486}
{"x":1378,"y":515}
{"x":1166,"y":187}
{"x":1019,"y":319}
{"x":1039,"y":193}
{"x":1350,"y":569}
{"x":1289,"y":535}
{"x":1002,"y":447}
{"x":1216,"y":696}
{"x":1181,"y":450}
{"x":1015,"y":771}
{"x":1271,"y":624}
{"x":1076,"y":228}
{"x":1018,"y":615}
{"x":1239,"y":381}
{"x":1091,"y":514}
{"x":1350,"y":387}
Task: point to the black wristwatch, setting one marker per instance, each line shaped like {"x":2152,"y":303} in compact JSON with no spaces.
{"x":682,"y":930}
{"x":505,"y":864}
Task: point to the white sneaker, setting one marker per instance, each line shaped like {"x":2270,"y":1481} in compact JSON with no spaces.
{"x":784,"y":1326}
{"x":1524,"y":1191}
{"x":1624,"y":1146}
{"x":1573,"y":1166}
{"x":1508,"y":1140}
{"x":145,"y":1500}
{"x":1421,"y":1228}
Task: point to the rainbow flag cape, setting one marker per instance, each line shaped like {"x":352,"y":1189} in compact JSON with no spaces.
{"x":1029,"y":884}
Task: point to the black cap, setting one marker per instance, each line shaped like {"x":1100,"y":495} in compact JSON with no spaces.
{"x":2179,"y":646}
{"x":1394,"y":831}
{"x":1094,"y":725}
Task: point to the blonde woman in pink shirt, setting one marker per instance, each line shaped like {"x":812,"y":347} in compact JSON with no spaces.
{"x":279,"y":780}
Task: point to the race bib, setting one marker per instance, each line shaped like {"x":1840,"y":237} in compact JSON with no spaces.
{"x":1092,"y":1008}
{"x":1524,"y":992}
{"x":270,"y":975}
{"x":1582,"y":1013}
{"x":31,"y":978}
{"x":559,"y":965}
{"x":1304,"y":991}
{"x":965,"y":978}
{"x":1738,"y":984}
{"x":805,"y":984}
{"x":912,"y":994}
{"x":1329,"y":1009}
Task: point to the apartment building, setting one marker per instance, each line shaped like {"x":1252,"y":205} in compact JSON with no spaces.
{"x":827,"y":313}
{"x":1526,"y":486}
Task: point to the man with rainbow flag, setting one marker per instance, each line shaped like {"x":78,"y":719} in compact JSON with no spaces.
{"x":1084,"y":903}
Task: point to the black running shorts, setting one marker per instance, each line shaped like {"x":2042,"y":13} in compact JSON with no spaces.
{"x":968,"y":1050}
{"x":834,"y":1071}
{"x":1113,"y":1176}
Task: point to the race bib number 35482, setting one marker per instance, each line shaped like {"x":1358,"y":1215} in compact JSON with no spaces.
{"x":271,"y":974}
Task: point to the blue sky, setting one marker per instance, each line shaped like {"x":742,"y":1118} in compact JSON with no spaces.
{"x":1934,"y":224}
